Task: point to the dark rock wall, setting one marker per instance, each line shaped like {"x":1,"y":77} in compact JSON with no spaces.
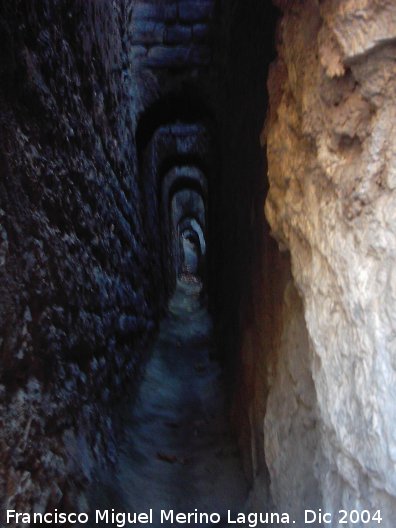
{"x":248,"y":274}
{"x":78,"y":295}
{"x":170,"y":147}
{"x":108,"y":109}
{"x":173,"y":34}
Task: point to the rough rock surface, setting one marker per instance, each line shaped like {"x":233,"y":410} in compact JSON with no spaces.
{"x":178,"y":452}
{"x":78,"y":295}
{"x":332,"y":151}
{"x":291,"y":434}
{"x":82,"y":282}
{"x":108,"y":109}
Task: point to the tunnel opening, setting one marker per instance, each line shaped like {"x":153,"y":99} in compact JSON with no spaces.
{"x":187,"y":208}
{"x":175,"y":131}
{"x":184,"y":104}
{"x":190,"y":251}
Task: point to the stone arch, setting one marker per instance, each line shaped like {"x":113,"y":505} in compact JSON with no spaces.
{"x":185,"y":105}
{"x":178,"y":178}
{"x":185,"y":203}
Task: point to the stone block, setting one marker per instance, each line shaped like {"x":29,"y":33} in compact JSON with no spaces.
{"x":137,"y":53}
{"x":147,"y":31}
{"x":190,"y":11}
{"x":150,"y":11}
{"x":178,"y":34}
{"x":171,"y":56}
{"x":167,"y":56}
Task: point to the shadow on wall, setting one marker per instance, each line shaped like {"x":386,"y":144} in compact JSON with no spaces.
{"x":249,"y":277}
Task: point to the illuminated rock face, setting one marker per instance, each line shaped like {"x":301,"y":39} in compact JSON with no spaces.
{"x":331,"y":148}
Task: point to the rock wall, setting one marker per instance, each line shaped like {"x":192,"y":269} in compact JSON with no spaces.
{"x":173,"y":34}
{"x":291,"y":433}
{"x":331,"y":152}
{"x":78,"y":292}
{"x":102,"y":122}
{"x":247,"y":273}
{"x":108,"y":110}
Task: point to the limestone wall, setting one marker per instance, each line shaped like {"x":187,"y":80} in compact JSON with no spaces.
{"x":331,"y":150}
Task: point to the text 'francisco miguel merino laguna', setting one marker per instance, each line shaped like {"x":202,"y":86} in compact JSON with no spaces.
{"x":120,"y":520}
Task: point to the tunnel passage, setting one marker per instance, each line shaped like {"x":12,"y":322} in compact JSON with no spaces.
{"x":187,"y":180}
{"x":190,"y":252}
{"x":190,"y":257}
{"x":138,"y":146}
{"x":186,"y":203}
{"x":127,"y":179}
{"x":192,"y":248}
{"x":118,"y":160}
{"x":174,"y":140}
{"x":201,"y":176}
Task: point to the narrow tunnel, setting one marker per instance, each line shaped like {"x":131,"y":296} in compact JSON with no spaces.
{"x":197,"y":252}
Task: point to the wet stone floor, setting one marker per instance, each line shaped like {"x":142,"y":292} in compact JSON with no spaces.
{"x":177,"y":451}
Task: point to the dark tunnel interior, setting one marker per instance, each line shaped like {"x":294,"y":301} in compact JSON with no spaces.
{"x":202,"y":178}
{"x":149,"y":228}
